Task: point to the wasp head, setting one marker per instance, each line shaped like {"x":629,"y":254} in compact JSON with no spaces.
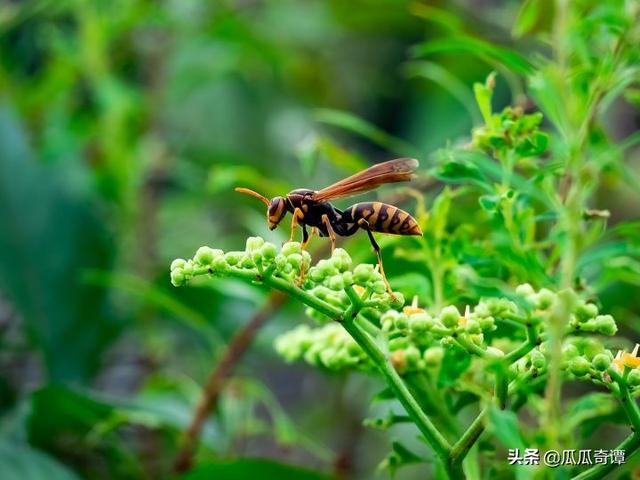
{"x":276,"y":211}
{"x":276,"y":207}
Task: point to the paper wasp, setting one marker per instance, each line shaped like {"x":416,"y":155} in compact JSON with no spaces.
{"x":312,"y":208}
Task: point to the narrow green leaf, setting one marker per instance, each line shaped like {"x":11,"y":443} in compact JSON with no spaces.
{"x":479,"y":48}
{"x":350,"y":122}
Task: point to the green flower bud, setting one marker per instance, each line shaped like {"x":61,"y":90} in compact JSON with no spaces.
{"x":398,"y":343}
{"x":495,"y":353}
{"x":295,"y":260}
{"x":306,"y":259}
{"x":256,"y":257}
{"x":412,"y":356}
{"x":487,"y":323}
{"x":326,"y":268}
{"x":254,"y":243}
{"x":606,"y":325}
{"x":421,"y":323}
{"x":379,"y":287}
{"x":579,"y":366}
{"x":601,"y":362}
{"x":177,"y":263}
{"x":545,"y":299}
{"x":538,"y":360}
{"x":525,"y":290}
{"x":268,"y":251}
{"x":188,"y":268}
{"x":177,"y":277}
{"x":341,"y":259}
{"x":432,"y":356}
{"x":233,"y":258}
{"x":450,"y":316}
{"x":363,"y":273}
{"x":219,"y":265}
{"x":387,"y":325}
{"x":633,"y":378}
{"x":397,"y":301}
{"x":205,"y":255}
{"x":389,"y":315}
{"x":472,"y":327}
{"x":569,"y":351}
{"x":247,"y":262}
{"x":347,"y":278}
{"x":401,"y":322}
{"x":291,"y":248}
{"x":481,"y":310}
{"x":446,"y":342}
{"x":336,"y":282}
{"x":586,"y":311}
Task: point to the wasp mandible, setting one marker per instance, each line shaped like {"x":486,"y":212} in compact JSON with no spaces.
{"x":312,"y":208}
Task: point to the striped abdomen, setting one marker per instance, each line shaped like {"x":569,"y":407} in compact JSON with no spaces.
{"x":384,"y":218}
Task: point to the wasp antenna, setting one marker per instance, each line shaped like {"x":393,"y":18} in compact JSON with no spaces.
{"x":246,"y":191}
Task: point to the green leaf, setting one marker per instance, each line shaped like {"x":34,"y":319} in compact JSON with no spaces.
{"x":479,"y":48}
{"x":534,"y":16}
{"x":591,"y":411}
{"x":245,"y":468}
{"x":51,"y":235}
{"x":506,"y":428}
{"x":350,"y":122}
{"x":68,"y":423}
{"x":448,"y":81}
{"x":483,"y":94}
{"x":25,"y":463}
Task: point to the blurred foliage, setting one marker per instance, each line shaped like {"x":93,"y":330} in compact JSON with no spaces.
{"x":124,"y":126}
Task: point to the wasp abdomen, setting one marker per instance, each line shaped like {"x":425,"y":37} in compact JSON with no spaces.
{"x":384,"y":218}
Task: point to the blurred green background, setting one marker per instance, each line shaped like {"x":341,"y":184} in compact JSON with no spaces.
{"x":124,"y":126}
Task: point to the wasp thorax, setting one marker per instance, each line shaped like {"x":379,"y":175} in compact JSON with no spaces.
{"x":277,"y":209}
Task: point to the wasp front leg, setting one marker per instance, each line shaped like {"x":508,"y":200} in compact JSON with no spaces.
{"x":297,"y":216}
{"x":306,"y":238}
{"x":332,"y":234}
{"x":362,"y":223}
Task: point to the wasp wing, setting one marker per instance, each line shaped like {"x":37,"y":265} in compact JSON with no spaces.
{"x":393,"y":171}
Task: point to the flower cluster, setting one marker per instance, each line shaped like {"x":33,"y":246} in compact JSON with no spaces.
{"x":585,"y":316}
{"x":329,"y":346}
{"x":416,"y":339}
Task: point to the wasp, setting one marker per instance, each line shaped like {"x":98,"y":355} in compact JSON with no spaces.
{"x":311,"y":208}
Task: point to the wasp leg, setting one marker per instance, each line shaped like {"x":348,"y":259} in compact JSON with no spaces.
{"x":306,"y":238}
{"x":332,"y":234}
{"x":376,"y":248}
{"x":297,"y":216}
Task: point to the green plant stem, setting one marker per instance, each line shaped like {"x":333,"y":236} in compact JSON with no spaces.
{"x":471,"y":347}
{"x":525,"y":348}
{"x":629,"y":445}
{"x":422,"y":421}
{"x":469,"y":437}
{"x":432,"y":435}
{"x":629,"y":404}
{"x":502,"y":391}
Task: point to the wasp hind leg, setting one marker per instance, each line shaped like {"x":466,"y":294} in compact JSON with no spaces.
{"x":376,"y":248}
